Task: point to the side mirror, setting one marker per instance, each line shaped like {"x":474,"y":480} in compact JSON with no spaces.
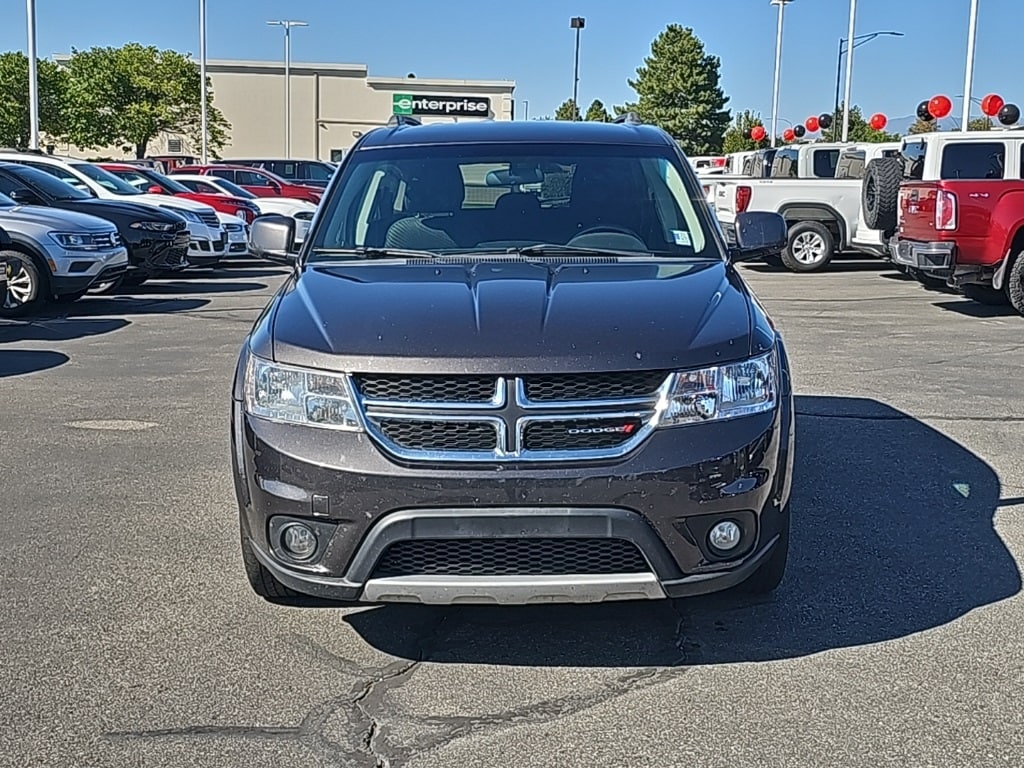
{"x":156,"y":190}
{"x":25,"y":197}
{"x":759,"y":234}
{"x":272,"y":237}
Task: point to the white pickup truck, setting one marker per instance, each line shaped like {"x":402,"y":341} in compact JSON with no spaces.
{"x":822,"y":211}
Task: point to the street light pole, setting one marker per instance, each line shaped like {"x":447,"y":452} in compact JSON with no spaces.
{"x":577,"y":23}
{"x":526,"y":109}
{"x":849,"y":70}
{"x":858,"y":41}
{"x":204,"y":124}
{"x":33,"y":79}
{"x":287,"y":24}
{"x":972,"y":35}
{"x":778,"y":70}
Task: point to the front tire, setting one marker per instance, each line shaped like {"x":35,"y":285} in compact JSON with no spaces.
{"x":263,"y":582}
{"x":810,"y":248}
{"x":26,"y":286}
{"x":768,"y":576}
{"x":1015,"y":284}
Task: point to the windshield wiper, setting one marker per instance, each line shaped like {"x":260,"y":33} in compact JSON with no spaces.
{"x":375,"y":253}
{"x":554,"y":249}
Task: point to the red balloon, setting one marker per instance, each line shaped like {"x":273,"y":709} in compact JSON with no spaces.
{"x":879,"y":121}
{"x":939,"y":107}
{"x":812,"y":124}
{"x":757,"y":133}
{"x":789,"y":134}
{"x":991,"y":104}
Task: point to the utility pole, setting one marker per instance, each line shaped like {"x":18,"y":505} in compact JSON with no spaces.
{"x":778,"y":70}
{"x":204,"y":127}
{"x":287,"y":24}
{"x":972,"y":35}
{"x":849,"y":70}
{"x":577,"y":23}
{"x":33,"y":79}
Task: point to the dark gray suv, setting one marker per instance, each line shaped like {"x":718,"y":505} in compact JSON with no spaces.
{"x":514,"y":363}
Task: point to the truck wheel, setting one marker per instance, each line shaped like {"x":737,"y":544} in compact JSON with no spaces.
{"x":985,"y":294}
{"x":810,"y":247}
{"x":26,"y":285}
{"x":1015,"y":283}
{"x":766,"y":578}
{"x":880,"y":193}
{"x":263,"y":582}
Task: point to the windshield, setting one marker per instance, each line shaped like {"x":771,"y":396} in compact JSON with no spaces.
{"x":230,"y":188}
{"x":6,"y":202}
{"x":46,"y":183}
{"x":106,"y":180}
{"x":479,"y":197}
{"x":143,"y":180}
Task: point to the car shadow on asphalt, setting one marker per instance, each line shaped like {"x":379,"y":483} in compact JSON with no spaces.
{"x":198,"y":283}
{"x":892,"y":536}
{"x":976,"y":309}
{"x":838,"y":264}
{"x":19,"y":362}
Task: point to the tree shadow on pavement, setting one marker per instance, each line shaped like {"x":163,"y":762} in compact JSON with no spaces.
{"x":892,"y":535}
{"x":18,"y":362}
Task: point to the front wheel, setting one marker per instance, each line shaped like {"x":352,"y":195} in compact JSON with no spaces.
{"x":769,"y":575}
{"x":1015,"y":283}
{"x":26,"y":285}
{"x":263,"y":582}
{"x":810,"y":248}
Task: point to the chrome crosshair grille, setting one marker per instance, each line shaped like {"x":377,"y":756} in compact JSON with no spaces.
{"x":568,"y":417}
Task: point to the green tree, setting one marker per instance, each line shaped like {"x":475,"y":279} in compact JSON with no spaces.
{"x":980,"y":124}
{"x":860,"y":129}
{"x":924,"y":126}
{"x":678,"y":89}
{"x":14,"y":111}
{"x":596,"y":112}
{"x":129,"y":95}
{"x":567,"y":111}
{"x":736,"y":138}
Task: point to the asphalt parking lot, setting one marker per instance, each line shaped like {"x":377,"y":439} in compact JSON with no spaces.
{"x":130,"y":636}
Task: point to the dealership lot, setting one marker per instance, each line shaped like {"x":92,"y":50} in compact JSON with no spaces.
{"x":132,"y":637}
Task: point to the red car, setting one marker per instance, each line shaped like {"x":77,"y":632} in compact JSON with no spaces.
{"x":148,"y":180}
{"x":256,"y":180}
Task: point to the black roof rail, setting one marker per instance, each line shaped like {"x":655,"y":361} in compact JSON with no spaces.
{"x":628,"y":118}
{"x":396,"y":120}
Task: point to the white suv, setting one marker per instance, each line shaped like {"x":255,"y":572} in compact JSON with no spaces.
{"x":208,"y":240}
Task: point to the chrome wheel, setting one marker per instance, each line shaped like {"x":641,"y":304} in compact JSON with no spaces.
{"x":809,"y":248}
{"x":21,"y":287}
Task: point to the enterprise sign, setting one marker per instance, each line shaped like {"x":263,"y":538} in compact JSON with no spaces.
{"x":440,"y":106}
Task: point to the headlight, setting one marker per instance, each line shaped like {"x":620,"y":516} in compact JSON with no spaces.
{"x":153,"y":226}
{"x":723,"y":392}
{"x":300,"y":396}
{"x":187,"y":215}
{"x":83,"y":241}
{"x":234,"y":227}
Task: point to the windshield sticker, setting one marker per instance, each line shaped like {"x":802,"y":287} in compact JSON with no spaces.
{"x":681,"y":237}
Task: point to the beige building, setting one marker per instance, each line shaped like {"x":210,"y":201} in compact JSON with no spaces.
{"x":332,"y":105}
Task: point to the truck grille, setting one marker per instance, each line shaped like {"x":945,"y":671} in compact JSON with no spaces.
{"x":458,"y":418}
{"x":510,"y":557}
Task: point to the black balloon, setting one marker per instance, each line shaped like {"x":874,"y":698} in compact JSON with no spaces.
{"x":746,"y":134}
{"x":825,"y":121}
{"x":799,"y":130}
{"x":1009,"y":115}
{"x":923,"y":113}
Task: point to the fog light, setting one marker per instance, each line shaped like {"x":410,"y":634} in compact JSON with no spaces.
{"x":725,"y":536}
{"x":298,"y":540}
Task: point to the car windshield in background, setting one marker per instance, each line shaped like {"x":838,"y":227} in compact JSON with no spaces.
{"x":46,"y":183}
{"x":484,"y":198}
{"x":106,"y":180}
{"x":6,"y":202}
{"x":230,"y":188}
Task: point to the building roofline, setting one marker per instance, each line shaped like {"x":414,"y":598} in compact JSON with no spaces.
{"x":419,"y":84}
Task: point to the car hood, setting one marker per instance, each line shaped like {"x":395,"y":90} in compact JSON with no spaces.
{"x":510,"y":316}
{"x":165,"y":201}
{"x":287,"y":205}
{"x":104,"y":207}
{"x":52,"y":218}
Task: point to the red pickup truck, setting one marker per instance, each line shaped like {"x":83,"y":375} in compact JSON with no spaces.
{"x":955,"y":202}
{"x":256,"y":180}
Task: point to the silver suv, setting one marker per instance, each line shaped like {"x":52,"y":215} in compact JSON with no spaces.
{"x":55,"y":255}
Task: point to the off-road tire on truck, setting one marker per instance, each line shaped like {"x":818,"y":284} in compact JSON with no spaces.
{"x":1015,"y":283}
{"x":806,"y":239}
{"x":880,"y":193}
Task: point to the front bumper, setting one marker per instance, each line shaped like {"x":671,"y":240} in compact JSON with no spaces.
{"x":663,"y":499}
{"x":935,"y":257}
{"x":75,"y":271}
{"x":153,"y":252}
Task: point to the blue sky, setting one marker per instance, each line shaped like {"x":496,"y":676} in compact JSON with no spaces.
{"x":530,"y":41}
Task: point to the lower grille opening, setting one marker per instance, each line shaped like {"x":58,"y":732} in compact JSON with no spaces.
{"x":510,"y":557}
{"x":440,"y":435}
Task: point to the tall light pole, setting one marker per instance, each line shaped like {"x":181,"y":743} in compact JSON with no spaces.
{"x":204,"y":125}
{"x":858,"y":41}
{"x":778,"y":69}
{"x":577,"y":23}
{"x":33,"y":79}
{"x":526,"y":109}
{"x":972,"y":35}
{"x":287,"y":24}
{"x":849,"y":70}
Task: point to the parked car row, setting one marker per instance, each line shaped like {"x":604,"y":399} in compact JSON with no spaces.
{"x":73,"y":227}
{"x":945,"y":207}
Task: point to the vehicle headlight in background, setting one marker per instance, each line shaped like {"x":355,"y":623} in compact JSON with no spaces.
{"x":723,"y":392}
{"x":152,"y":226}
{"x":234,"y":227}
{"x":84,"y":241}
{"x":299,"y":396}
{"x":187,"y":215}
